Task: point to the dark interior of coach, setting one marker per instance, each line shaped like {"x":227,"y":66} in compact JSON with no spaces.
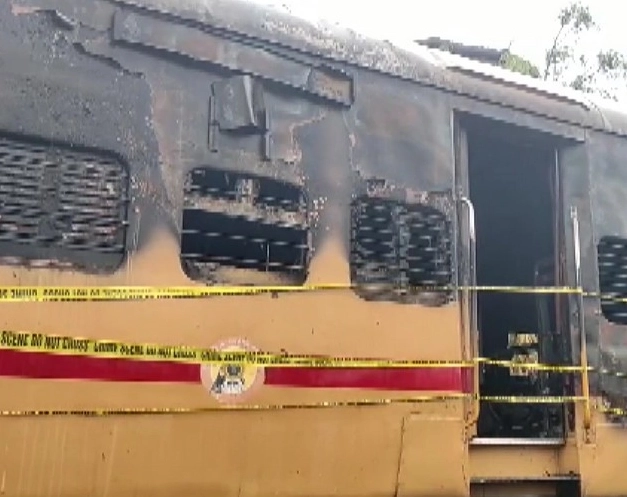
{"x":513,"y":183}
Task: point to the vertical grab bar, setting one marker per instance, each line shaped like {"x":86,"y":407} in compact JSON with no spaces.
{"x":472,"y":303}
{"x":583,"y":347}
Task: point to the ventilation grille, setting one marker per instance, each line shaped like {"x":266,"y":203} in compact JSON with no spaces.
{"x":61,"y":208}
{"x":612,"y":253}
{"x":400,"y":246}
{"x":243,"y":229}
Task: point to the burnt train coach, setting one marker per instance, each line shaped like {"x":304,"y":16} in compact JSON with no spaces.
{"x":435,"y":208}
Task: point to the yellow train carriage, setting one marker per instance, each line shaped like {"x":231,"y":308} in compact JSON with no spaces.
{"x":189,"y":189}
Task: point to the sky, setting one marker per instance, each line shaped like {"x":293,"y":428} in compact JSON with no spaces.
{"x":526,"y":27}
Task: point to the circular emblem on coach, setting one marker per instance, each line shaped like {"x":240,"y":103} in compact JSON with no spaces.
{"x":233,"y":382}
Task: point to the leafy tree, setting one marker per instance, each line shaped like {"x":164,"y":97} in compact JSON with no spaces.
{"x":604,"y":72}
{"x":567,"y":61}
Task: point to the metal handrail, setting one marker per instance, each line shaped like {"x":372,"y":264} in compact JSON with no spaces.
{"x":585,"y":382}
{"x":471,"y":301}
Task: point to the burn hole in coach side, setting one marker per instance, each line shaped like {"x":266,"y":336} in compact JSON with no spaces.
{"x":60,"y":207}
{"x":612,"y":264}
{"x":612,"y":254}
{"x":400,"y":250}
{"x":244,"y":229}
{"x":513,"y":187}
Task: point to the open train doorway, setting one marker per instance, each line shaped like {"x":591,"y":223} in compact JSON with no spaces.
{"x":512,"y":180}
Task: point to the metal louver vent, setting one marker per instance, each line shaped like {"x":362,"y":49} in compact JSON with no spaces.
{"x":243,"y":229}
{"x":399,"y":246}
{"x":61,"y":208}
{"x":612,"y":253}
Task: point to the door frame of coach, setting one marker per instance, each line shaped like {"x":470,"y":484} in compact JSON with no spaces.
{"x":562,"y":137}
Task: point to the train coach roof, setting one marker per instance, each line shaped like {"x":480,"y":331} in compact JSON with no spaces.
{"x":409,"y":61}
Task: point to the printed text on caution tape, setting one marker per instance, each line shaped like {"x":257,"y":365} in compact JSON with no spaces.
{"x":66,"y":345}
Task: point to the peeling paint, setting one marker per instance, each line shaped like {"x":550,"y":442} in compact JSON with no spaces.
{"x":20,"y":9}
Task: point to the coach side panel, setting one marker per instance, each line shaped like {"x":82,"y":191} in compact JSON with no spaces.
{"x":140,"y":149}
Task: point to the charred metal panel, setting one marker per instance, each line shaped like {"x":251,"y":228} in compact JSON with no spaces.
{"x":403,"y":214}
{"x":608,"y":191}
{"x":402,"y":133}
{"x":74,"y":13}
{"x":65,"y":103}
{"x":61,"y":207}
{"x":280,"y":32}
{"x":191,"y":131}
{"x":153,"y":33}
{"x":408,"y":62}
{"x":182,"y":92}
{"x":273,"y":27}
{"x":267,"y":118}
{"x":542,"y":129}
{"x":186,"y":124}
{"x":240,"y":209}
{"x":239,"y":104}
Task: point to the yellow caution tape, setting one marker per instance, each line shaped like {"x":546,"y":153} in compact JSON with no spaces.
{"x":244,"y":407}
{"x":608,"y":372}
{"x":553,"y":368}
{"x":505,"y":399}
{"x":89,"y":293}
{"x":121,"y":293}
{"x":313,"y":405}
{"x":113,"y":293}
{"x":67,"y":345}
{"x":614,"y":411}
{"x":532,"y":366}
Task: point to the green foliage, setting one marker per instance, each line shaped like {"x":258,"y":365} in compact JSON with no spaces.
{"x":577,"y":17}
{"x":517,"y":64}
{"x":566,"y":60}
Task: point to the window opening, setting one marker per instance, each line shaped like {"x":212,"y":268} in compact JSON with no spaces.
{"x":61,"y":208}
{"x":399,"y":248}
{"x":612,"y":258}
{"x":244,"y":229}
